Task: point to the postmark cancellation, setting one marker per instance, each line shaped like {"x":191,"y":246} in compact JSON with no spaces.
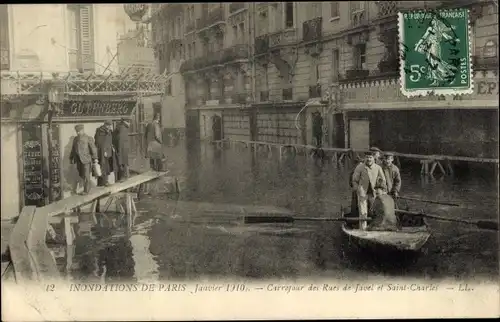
{"x":435,"y":52}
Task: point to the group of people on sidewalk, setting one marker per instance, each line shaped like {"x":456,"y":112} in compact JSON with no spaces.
{"x":375,"y":183}
{"x":110,"y":150}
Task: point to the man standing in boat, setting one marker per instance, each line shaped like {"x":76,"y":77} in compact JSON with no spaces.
{"x":367,"y":179}
{"x":376,"y":154}
{"x":392,"y":175}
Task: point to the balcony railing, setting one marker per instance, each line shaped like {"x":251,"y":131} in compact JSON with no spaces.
{"x":287,"y":94}
{"x":235,"y":6}
{"x":359,"y":18}
{"x":235,"y":53}
{"x":264,"y":96}
{"x":312,"y":29}
{"x":315,"y":91}
{"x":283,"y":37}
{"x":357,"y":74}
{"x":261,"y":44}
{"x":214,"y":17}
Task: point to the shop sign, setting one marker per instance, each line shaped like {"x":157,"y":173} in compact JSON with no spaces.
{"x":484,"y":89}
{"x":73,"y":108}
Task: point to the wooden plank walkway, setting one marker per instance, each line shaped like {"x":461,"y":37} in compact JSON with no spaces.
{"x":338,"y":155}
{"x":30,"y":256}
{"x":66,"y":205}
{"x":19,"y":253}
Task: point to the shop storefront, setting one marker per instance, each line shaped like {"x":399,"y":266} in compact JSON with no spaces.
{"x":38,"y":131}
{"x":378,"y":114}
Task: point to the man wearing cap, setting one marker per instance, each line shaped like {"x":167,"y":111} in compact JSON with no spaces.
{"x":376,"y":154}
{"x":104,"y":142}
{"x":121,"y":144}
{"x":368,"y":180}
{"x":83,"y":152}
{"x":392,"y":175}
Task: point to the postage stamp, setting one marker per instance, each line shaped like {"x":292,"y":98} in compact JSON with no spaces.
{"x":435,"y":52}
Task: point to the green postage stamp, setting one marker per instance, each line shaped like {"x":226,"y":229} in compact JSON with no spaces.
{"x":435,"y":52}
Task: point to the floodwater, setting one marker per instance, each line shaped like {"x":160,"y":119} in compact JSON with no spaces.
{"x":199,"y":234}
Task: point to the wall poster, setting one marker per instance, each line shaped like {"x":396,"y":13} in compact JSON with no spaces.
{"x":33,"y":165}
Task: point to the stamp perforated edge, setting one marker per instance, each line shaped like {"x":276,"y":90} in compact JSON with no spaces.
{"x":436,"y":91}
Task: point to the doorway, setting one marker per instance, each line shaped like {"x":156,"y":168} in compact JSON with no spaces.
{"x":359,"y":134}
{"x":217,"y":128}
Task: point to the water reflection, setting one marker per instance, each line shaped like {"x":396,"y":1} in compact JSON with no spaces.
{"x":163,"y":247}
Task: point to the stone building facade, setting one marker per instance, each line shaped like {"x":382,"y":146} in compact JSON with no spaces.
{"x":257,"y":71}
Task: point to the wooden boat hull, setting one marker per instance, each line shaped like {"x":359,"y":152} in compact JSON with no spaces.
{"x":413,"y":235}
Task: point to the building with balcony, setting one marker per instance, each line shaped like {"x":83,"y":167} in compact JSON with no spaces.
{"x":257,"y":65}
{"x":58,"y":67}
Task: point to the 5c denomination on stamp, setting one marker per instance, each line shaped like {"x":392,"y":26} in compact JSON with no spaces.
{"x":435,"y":52}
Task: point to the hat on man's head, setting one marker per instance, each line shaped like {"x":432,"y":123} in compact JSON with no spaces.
{"x":78,"y":127}
{"x":108,"y":122}
{"x":388,"y":154}
{"x":375,"y":149}
{"x":368,"y":153}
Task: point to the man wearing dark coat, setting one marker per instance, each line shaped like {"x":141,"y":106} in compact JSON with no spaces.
{"x":154,"y":143}
{"x":83,"y":152}
{"x":104,"y":142}
{"x":121,"y":143}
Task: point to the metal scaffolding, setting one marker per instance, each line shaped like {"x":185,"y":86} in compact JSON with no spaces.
{"x":134,"y":81}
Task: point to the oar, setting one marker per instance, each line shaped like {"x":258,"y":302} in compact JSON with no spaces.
{"x":484,"y":224}
{"x":430,"y":201}
{"x":289,"y":219}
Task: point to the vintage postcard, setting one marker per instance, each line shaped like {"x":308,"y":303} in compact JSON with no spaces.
{"x":249,"y":160}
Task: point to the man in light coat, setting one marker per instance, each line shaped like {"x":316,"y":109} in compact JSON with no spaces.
{"x":368,"y":180}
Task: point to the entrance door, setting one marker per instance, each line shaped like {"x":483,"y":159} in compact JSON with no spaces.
{"x":217,"y":127}
{"x":359,"y":134}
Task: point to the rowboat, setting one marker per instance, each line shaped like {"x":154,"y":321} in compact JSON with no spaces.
{"x":411,"y":236}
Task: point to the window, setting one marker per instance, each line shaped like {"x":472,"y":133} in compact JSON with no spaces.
{"x":81,"y":37}
{"x":235,"y":34}
{"x":193,"y":53}
{"x":360,"y":56}
{"x":74,"y":37}
{"x":289,"y":19}
{"x":334,"y":9}
{"x":178,"y":29}
{"x":168,"y":90}
{"x":357,"y":6}
{"x":335,"y":64}
{"x":315,"y":8}
{"x":220,"y":43}
{"x":242,"y":32}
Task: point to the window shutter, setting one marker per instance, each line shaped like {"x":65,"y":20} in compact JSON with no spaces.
{"x":87,"y":37}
